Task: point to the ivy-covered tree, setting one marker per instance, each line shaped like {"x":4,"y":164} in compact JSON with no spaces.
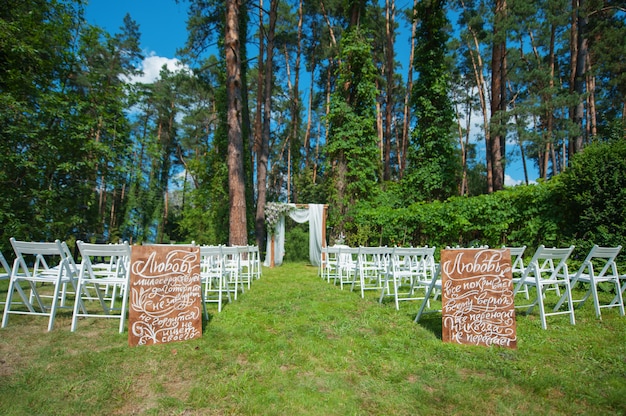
{"x":433,"y":167}
{"x":352,"y":144}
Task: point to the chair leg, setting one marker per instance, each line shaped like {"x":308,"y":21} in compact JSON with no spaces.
{"x":125,"y":308}
{"x":542,"y":313}
{"x":53,"y":308}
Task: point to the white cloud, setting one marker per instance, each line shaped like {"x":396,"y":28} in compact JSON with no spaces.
{"x":509,"y":181}
{"x":151,"y":66}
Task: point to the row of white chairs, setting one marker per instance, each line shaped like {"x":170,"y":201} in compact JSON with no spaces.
{"x":390,"y":269}
{"x":103,"y":278}
{"x":548,"y":270}
{"x":393,"y":271}
{"x":226,"y":271}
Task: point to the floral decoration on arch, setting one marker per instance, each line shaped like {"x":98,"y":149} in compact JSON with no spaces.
{"x":273,"y":212}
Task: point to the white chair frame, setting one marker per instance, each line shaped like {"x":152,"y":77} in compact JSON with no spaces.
{"x":60,"y":276}
{"x":102,"y":277}
{"x":6,"y":275}
{"x":232,"y":269}
{"x":535,"y":274}
{"x":589,"y":275}
{"x":410,"y":267}
{"x":213,"y":277}
{"x":329,"y":263}
{"x":370,"y":266}
{"x":518,"y":267}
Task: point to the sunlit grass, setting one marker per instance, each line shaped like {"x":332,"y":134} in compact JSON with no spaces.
{"x":296,"y":345}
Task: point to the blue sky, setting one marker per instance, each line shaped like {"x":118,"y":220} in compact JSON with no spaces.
{"x":162,"y":24}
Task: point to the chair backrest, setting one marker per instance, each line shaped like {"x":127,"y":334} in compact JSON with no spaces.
{"x":374,"y":256}
{"x":556,"y":257}
{"x":603,"y":257}
{"x":232,"y":257}
{"x":418,"y":260}
{"x":331,"y":253}
{"x":44,"y":253}
{"x":517,"y":258}
{"x":117,"y":258}
{"x":5,"y":266}
{"x":211,"y":260}
{"x":348,"y":257}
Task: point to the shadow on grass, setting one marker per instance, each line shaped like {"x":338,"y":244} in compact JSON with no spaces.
{"x":431,"y":322}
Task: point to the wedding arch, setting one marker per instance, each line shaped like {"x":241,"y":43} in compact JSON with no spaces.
{"x":314,"y":214}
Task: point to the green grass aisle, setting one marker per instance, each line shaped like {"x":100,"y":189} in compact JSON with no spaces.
{"x":296,"y":345}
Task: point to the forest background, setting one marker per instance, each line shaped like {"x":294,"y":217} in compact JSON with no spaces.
{"x":87,"y":154}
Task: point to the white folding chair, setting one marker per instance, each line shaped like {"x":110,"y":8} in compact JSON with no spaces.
{"x":6,"y":270}
{"x":539,"y":276}
{"x":517,"y":267}
{"x":407,"y":267}
{"x":370,"y":265}
{"x":254,"y":260}
{"x":246,"y":267}
{"x":50,"y":266}
{"x":213,"y":276}
{"x":602,"y":259}
{"x":329,"y":264}
{"x":103,"y":268}
{"x":232,"y":269}
{"x":346,"y":265}
{"x":432,"y":288}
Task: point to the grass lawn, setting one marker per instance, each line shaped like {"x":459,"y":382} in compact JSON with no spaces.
{"x":296,"y":345}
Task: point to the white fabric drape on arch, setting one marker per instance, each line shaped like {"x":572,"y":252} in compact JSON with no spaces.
{"x":314,"y":215}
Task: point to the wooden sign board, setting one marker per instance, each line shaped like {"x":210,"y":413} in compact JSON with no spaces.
{"x":165,"y":299}
{"x":477,"y":297}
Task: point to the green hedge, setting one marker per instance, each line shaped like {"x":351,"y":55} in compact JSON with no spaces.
{"x":586,"y":205}
{"x":516,"y":216}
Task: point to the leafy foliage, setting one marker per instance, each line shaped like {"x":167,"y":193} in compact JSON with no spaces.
{"x":592,"y":194}
{"x":352,"y":148}
{"x":433,"y":166}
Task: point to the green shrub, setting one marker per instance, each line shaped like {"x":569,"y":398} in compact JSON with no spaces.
{"x":592,"y":196}
{"x":296,"y":241}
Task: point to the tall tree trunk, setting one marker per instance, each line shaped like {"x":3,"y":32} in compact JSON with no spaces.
{"x":379,"y":126}
{"x":390,"y":11}
{"x":309,"y":118}
{"x":591,"y":101}
{"x":261,"y":168}
{"x":577,"y":78}
{"x":295,"y":103}
{"x":498,"y":96}
{"x":236,"y":180}
{"x":267,"y":108}
{"x":481,"y":84}
{"x":404,"y":141}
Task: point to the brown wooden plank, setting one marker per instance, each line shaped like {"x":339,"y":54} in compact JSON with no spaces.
{"x":165,"y":302}
{"x":477,"y":297}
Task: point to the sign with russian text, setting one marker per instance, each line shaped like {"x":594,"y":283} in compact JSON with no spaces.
{"x":165,"y":302}
{"x":477,"y":297}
